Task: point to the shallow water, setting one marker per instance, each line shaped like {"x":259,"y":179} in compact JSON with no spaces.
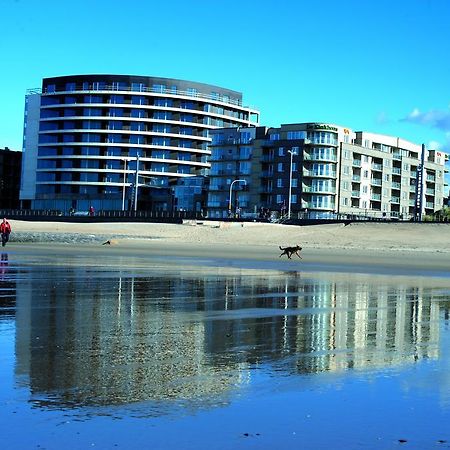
{"x":131,"y":354}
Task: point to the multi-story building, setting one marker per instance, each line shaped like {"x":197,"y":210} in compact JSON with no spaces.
{"x":87,"y":138}
{"x":10,"y":163}
{"x":318,"y":170}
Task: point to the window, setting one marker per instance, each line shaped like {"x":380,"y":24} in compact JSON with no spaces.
{"x":346,"y":154}
{"x":281,"y":151}
{"x":364,"y":189}
{"x":274,"y":137}
{"x":366,"y":174}
{"x":346,"y":170}
{"x":279,"y":182}
{"x":296,"y":135}
{"x":294,"y":198}
{"x":166,"y":102}
{"x":280,"y":167}
{"x":294,"y":182}
{"x":138,"y":100}
{"x":158,"y":88}
{"x":345,"y":185}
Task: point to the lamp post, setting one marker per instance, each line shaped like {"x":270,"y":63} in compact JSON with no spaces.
{"x":124,"y":183}
{"x":231,"y":187}
{"x":136,"y":183}
{"x":290,"y":183}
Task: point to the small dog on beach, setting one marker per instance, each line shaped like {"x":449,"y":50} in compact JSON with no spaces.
{"x":289,"y":251}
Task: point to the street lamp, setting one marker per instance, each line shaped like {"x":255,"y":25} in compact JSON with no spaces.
{"x":231,"y":187}
{"x":136,"y":183}
{"x":290,"y":183}
{"x":124,"y":182}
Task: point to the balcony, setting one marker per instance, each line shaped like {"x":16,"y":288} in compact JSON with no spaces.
{"x":397,"y":170}
{"x":318,"y":157}
{"x":356,"y":178}
{"x":376,"y":197}
{"x":310,"y":173}
{"x":376,"y":181}
{"x":395,"y":200}
{"x":356,"y":194}
{"x":378,"y":167}
{"x":357,"y":162}
{"x":396,"y":185}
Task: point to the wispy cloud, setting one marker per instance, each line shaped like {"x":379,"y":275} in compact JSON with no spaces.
{"x":382,"y":118}
{"x":434,"y":118}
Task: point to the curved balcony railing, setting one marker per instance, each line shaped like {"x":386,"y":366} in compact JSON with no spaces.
{"x":141,"y":90}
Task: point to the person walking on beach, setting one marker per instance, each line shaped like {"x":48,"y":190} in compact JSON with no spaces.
{"x":5,"y":230}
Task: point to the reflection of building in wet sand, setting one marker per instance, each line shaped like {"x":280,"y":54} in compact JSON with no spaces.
{"x":7,"y":288}
{"x":92,"y":340}
{"x":88,"y":337}
{"x":321,"y":325}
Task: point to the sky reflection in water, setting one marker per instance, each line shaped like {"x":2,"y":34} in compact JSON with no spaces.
{"x":198,"y":342}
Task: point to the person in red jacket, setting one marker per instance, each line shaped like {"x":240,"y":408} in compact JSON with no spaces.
{"x":5,"y":230}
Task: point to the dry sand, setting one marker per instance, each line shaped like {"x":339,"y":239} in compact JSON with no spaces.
{"x":395,"y":247}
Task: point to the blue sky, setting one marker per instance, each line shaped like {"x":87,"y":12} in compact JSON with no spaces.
{"x":381,"y":66}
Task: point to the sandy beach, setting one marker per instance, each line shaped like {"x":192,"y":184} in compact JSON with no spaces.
{"x":396,"y":247}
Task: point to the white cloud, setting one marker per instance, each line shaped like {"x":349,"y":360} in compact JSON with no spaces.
{"x":433,"y":118}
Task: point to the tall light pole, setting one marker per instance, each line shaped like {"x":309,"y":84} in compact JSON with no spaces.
{"x":290,"y":183}
{"x":231,"y":187}
{"x":136,"y":183}
{"x":124,"y":183}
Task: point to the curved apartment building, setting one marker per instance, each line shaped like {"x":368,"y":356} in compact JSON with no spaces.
{"x":88,"y":138}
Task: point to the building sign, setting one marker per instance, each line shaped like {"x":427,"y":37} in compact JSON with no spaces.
{"x":318,"y":126}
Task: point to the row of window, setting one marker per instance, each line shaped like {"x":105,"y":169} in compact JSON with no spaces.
{"x":122,"y":139}
{"x":137,"y":87}
{"x":102,"y":178}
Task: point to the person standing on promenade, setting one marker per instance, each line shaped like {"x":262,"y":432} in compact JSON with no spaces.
{"x":5,"y":230}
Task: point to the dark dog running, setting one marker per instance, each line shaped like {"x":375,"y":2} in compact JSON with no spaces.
{"x":289,"y":251}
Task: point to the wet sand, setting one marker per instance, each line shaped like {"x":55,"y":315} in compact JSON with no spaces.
{"x":397,"y":248}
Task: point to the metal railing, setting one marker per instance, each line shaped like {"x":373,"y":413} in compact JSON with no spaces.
{"x":142,"y":89}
